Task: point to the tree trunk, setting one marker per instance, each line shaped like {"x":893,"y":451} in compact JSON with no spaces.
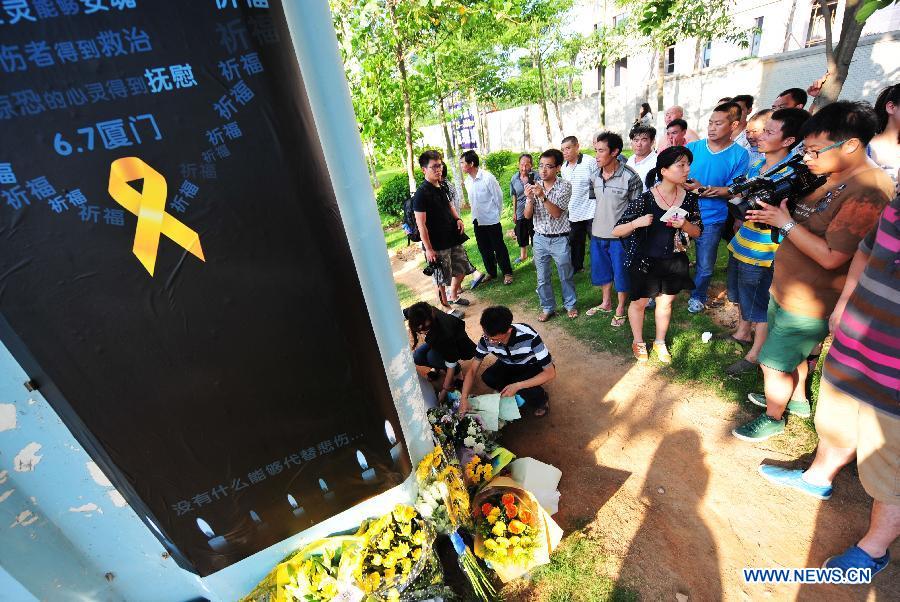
{"x":543,"y":90}
{"x":840,"y":57}
{"x":788,"y":32}
{"x":369,"y":152}
{"x":601,"y":95}
{"x":527,"y":128}
{"x":571,"y":84}
{"x":660,"y":79}
{"x":452,"y":163}
{"x":698,"y":55}
{"x":556,"y":104}
{"x":407,"y":105}
{"x":476,"y":116}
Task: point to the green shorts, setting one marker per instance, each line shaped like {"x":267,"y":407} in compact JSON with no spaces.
{"x":791,"y":338}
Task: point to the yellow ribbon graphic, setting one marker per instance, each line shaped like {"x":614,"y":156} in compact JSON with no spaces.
{"x":150,"y":208}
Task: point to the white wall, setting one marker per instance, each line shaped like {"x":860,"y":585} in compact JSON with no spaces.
{"x":876,"y":64}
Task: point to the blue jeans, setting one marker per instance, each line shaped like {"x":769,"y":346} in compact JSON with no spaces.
{"x":424,"y":355}
{"x":748,"y":286}
{"x":556,"y":249}
{"x":707,"y":247}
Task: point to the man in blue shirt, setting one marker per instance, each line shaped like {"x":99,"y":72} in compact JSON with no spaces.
{"x":717,"y":161}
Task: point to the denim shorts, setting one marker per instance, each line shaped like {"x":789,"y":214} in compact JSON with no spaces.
{"x":748,"y":286}
{"x":608,"y":263}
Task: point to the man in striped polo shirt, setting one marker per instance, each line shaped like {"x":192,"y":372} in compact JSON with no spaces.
{"x":858,"y":414}
{"x":523,"y":363}
{"x":578,"y":170}
{"x":752,"y":248}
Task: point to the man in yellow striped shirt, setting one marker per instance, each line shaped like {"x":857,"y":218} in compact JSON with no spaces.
{"x":750,"y":266}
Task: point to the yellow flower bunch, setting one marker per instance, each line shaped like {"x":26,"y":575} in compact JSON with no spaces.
{"x":433,"y":461}
{"x":508,"y":529}
{"x":478,"y":471}
{"x":393,"y":544}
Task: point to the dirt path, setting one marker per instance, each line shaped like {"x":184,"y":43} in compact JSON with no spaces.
{"x":652,"y":469}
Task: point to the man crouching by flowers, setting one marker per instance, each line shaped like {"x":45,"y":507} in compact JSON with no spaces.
{"x":523,"y":363}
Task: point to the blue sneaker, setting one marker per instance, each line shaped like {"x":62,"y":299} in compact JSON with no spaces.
{"x":857,"y":558}
{"x":793,"y":478}
{"x":695,"y":306}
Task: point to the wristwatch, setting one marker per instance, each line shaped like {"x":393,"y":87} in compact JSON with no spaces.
{"x":786,"y":229}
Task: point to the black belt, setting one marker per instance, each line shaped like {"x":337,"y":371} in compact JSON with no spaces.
{"x":553,"y":235}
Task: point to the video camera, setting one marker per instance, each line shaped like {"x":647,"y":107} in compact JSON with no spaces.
{"x":753,"y":192}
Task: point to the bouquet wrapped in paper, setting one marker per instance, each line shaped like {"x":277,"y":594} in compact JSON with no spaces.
{"x":512,"y":532}
{"x":320,"y":572}
{"x":444,"y":421}
{"x":397,"y":558}
{"x":443,"y":499}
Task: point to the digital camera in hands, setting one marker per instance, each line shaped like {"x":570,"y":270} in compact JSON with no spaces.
{"x":753,"y":192}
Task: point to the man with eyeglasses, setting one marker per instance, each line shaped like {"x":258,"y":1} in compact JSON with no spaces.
{"x":523,"y":363}
{"x":441,"y":229}
{"x":817,"y":243}
{"x":547,"y":205}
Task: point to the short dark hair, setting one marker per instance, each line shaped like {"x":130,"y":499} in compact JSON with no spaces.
{"x":744,"y":98}
{"x":555,"y":154}
{"x":528,"y":155}
{"x":678,"y":122}
{"x":842,"y":120}
{"x":733,"y":110}
{"x":428,"y":156}
{"x":612,"y":140}
{"x":470,"y":157}
{"x":724,"y":99}
{"x":571,"y":139}
{"x":761,"y":114}
{"x":797,"y":95}
{"x":496,"y":320}
{"x":891,"y":94}
{"x":640,"y":130}
{"x":792,"y":121}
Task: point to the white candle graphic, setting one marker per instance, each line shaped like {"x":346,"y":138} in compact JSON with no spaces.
{"x":296,"y":508}
{"x":216,"y":542}
{"x":392,"y":439}
{"x":368,"y":474}
{"x":326,"y":493}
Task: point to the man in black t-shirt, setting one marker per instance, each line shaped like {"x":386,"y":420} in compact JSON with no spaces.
{"x":441,"y":229}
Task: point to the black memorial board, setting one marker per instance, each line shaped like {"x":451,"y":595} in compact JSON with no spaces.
{"x":174,"y":272}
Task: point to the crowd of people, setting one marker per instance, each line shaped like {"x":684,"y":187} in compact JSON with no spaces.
{"x":821,"y":258}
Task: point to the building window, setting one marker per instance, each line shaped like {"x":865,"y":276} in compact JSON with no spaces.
{"x":816,"y":32}
{"x":619,"y":72}
{"x":706,"y":57}
{"x":670,"y":59}
{"x":618,"y":20}
{"x":757,"y":37}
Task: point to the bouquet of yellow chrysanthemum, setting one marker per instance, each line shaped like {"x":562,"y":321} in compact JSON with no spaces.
{"x":318,"y":572}
{"x":478,"y":471}
{"x":397,"y":559}
{"x":443,"y":499}
{"x":512,"y":532}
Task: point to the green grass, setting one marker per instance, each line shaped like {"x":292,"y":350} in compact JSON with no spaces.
{"x":388,"y":172}
{"x":406,"y":295}
{"x":576,"y":573}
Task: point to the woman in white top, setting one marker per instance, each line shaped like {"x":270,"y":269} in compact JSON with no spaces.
{"x":885,"y":147}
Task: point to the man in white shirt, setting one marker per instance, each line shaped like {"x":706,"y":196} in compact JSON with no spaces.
{"x":578,"y":171}
{"x":671,"y":114}
{"x":644,"y":157}
{"x":486,"y":200}
{"x":745,"y":101}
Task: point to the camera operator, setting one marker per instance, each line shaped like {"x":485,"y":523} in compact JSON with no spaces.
{"x":752,"y":248}
{"x":441,"y":229}
{"x":811,"y":263}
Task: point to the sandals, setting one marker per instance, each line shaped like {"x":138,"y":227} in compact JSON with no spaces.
{"x":618,"y":321}
{"x":459,"y":301}
{"x":546,"y":316}
{"x":640,"y":351}
{"x":507,"y":279}
{"x":598,"y":308}
{"x":572,"y":313}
